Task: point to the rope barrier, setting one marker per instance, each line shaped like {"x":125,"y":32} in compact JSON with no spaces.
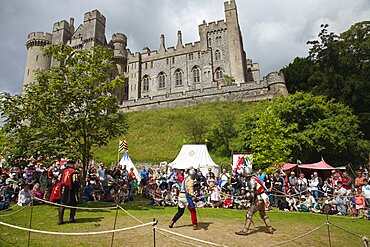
{"x":130,"y":214}
{"x":76,"y":233}
{"x":354,"y":234}
{"x":191,"y":238}
{"x":300,"y":236}
{"x":66,"y":206}
{"x":22,"y":208}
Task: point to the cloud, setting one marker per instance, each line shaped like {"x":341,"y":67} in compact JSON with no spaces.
{"x":274,"y":32}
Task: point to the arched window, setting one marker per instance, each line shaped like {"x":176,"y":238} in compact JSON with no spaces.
{"x":209,"y":42}
{"x":162,"y":80}
{"x":217,"y":55}
{"x":196,"y":74}
{"x":145,"y":83}
{"x":219,"y":74}
{"x":178,"y":77}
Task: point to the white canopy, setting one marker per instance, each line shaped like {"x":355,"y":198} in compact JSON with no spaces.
{"x":195,"y":156}
{"x":126,"y":161}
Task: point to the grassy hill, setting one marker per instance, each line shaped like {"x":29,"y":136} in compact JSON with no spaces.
{"x":158,"y":135}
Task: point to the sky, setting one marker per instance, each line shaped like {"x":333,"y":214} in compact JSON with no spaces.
{"x":274,"y":32}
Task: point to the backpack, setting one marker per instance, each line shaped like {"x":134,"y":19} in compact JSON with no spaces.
{"x":4,"y":205}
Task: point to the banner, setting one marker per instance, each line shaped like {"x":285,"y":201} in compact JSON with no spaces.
{"x":239,"y":159}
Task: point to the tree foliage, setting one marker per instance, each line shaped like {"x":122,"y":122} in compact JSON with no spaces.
{"x":68,"y":110}
{"x":305,"y":127}
{"x":337,"y":66}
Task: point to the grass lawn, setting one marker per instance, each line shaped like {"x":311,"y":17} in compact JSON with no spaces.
{"x":217,"y":226}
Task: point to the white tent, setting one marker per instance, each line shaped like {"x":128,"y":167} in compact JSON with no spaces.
{"x":195,"y":156}
{"x":126,"y":161}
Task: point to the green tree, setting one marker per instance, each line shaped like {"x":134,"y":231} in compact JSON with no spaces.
{"x":338,"y":66}
{"x":222,"y":133}
{"x":303,"y":126}
{"x":68,"y":110}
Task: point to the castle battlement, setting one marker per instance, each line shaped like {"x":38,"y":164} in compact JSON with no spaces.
{"x":95,"y":14}
{"x":119,"y":38}
{"x":40,"y":36}
{"x":61,"y":25}
{"x":229,"y":5}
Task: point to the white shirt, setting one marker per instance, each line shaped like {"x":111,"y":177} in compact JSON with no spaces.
{"x":366,"y":190}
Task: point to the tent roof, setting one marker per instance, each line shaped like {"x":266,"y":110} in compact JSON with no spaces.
{"x":193,"y":156}
{"x":126,"y":161}
{"x":322,"y":165}
{"x":289,"y":166}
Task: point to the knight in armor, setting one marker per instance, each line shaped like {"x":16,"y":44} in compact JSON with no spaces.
{"x":69,"y":187}
{"x":254,"y":189}
{"x":185,"y":199}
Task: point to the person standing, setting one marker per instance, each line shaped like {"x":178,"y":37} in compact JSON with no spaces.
{"x":69,"y":191}
{"x":255,"y":189}
{"x":185,"y":199}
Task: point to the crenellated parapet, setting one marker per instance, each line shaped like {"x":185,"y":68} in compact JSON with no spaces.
{"x":276,"y":83}
{"x":94,"y":15}
{"x":38,"y":39}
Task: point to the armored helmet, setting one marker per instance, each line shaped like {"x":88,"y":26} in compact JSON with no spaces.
{"x":247,"y":171}
{"x":192,"y":174}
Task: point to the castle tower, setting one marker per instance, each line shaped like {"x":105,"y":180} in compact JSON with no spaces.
{"x":119,"y":43}
{"x":94,"y":29}
{"x":235,"y":43}
{"x":36,"y":41}
{"x":62,"y":31}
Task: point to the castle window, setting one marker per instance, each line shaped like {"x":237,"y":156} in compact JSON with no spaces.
{"x":209,"y":42}
{"x":37,"y":58}
{"x":161,"y":80}
{"x":28,"y":71}
{"x":196,"y":74}
{"x":219,"y":74}
{"x":217,"y":55}
{"x":178,"y":77}
{"x":151,"y":65}
{"x":191,"y":57}
{"x":145,"y":84}
{"x":145,"y":65}
{"x":173,"y":60}
{"x":167,"y":61}
{"x":198,"y":54}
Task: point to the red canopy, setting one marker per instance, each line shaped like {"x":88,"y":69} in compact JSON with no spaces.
{"x":288,"y":166}
{"x":322,"y":165}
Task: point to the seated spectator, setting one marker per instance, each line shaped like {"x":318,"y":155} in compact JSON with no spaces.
{"x":340,"y":204}
{"x":310,"y":200}
{"x":317,"y":207}
{"x":228,"y":202}
{"x":216,"y":197}
{"x":302,"y":205}
{"x":292,"y":202}
{"x":36,"y":191}
{"x":168,"y":199}
{"x":158,"y":198}
{"x":24,"y":197}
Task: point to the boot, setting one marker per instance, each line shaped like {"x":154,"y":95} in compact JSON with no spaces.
{"x":171,"y":225}
{"x":72,"y":215}
{"x":245,"y":229}
{"x":60,"y":215}
{"x":269,"y":229}
{"x":195,"y":227}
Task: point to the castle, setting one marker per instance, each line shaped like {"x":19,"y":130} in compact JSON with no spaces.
{"x":212,"y":69}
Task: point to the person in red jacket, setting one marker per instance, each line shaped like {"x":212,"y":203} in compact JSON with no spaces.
{"x":69,"y":191}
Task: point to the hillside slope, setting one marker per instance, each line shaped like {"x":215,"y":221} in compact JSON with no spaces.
{"x":158,"y":135}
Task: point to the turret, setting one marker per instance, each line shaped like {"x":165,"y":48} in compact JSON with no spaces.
{"x":94,"y":29}
{"x":35,"y":58}
{"x":119,"y":42}
{"x":162,"y":45}
{"x":235,"y":43}
{"x":62,"y":31}
{"x":179,"y":40}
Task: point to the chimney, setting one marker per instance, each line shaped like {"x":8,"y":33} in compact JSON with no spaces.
{"x":179,"y":40}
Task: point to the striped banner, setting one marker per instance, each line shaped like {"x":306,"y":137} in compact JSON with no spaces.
{"x":123,"y":147}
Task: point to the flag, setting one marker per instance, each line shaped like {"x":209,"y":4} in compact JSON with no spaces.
{"x":122,"y":146}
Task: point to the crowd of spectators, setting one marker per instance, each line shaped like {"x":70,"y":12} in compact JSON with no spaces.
{"x":337,"y":194}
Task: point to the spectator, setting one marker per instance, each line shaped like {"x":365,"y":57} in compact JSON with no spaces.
{"x":24,"y":197}
{"x":347,"y":181}
{"x":292,"y":184}
{"x":228,"y":202}
{"x":359,"y":181}
{"x":340,"y":204}
{"x":278,"y":183}
{"x":224,"y":178}
{"x":36,"y":191}
{"x":366,"y":192}
{"x":302,"y":184}
{"x":314,"y":186}
{"x":359,"y":204}
{"x":327,"y":187}
{"x":216,"y":198}
{"x":261,"y":176}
